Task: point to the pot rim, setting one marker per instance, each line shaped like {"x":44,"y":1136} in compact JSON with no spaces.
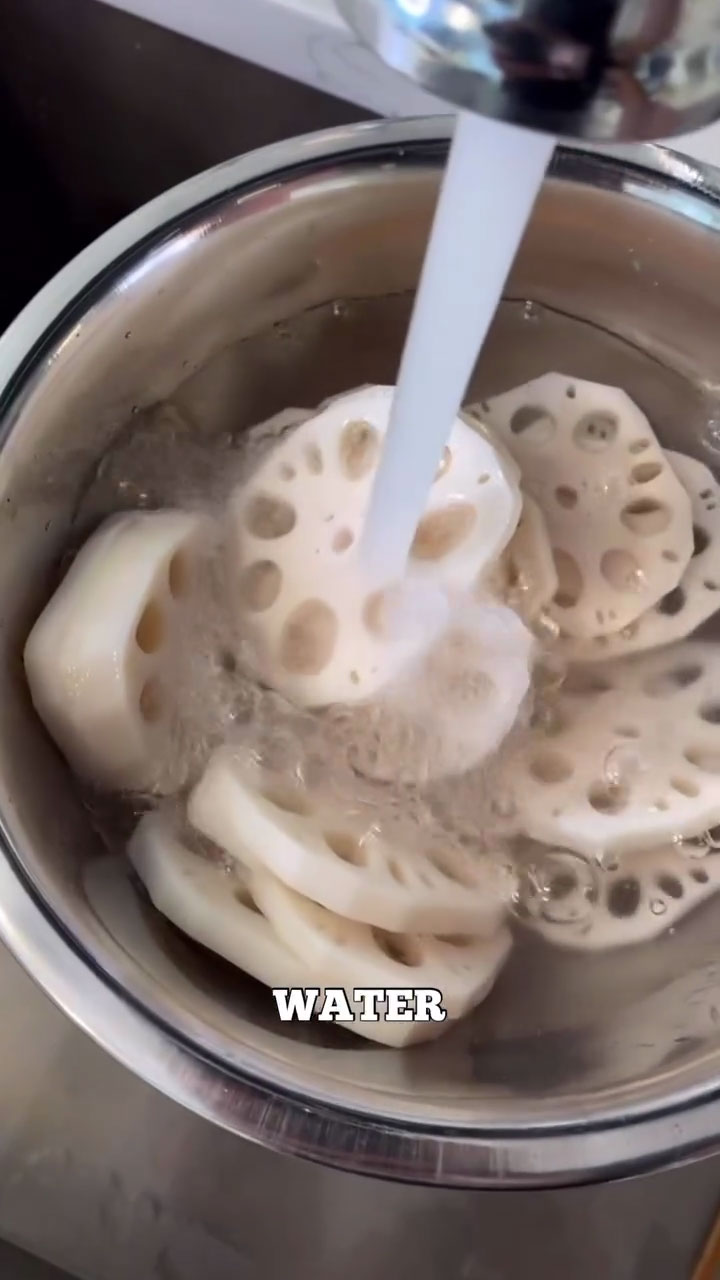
{"x":539,"y":1154}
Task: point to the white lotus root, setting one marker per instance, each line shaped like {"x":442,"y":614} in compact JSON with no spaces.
{"x":339,"y":860}
{"x":633,"y":756}
{"x":642,"y":896}
{"x":475,"y":415}
{"x":101,"y":658}
{"x":455,"y":707}
{"x":697,"y":595}
{"x":618,"y":517}
{"x":461,"y":966}
{"x":210,"y":900}
{"x":215,"y":905}
{"x":526,"y":577}
{"x":322,"y":631}
{"x":232,"y":912}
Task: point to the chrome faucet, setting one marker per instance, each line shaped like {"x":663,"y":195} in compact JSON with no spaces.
{"x":606,"y":70}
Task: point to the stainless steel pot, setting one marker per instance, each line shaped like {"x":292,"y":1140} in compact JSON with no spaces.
{"x":278,"y":279}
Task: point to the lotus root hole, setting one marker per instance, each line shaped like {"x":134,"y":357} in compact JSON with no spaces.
{"x":627,"y":731}
{"x":686,"y":674}
{"x":595,"y":432}
{"x":246,"y":899}
{"x":359,"y":448}
{"x":451,"y":867}
{"x":570,"y":392}
{"x":622,"y":571}
{"x":343,"y":539}
{"x":289,"y":799}
{"x":566,"y":496}
{"x":645,"y":472}
{"x":397,"y":871}
{"x":151,"y":701}
{"x":710,"y":585}
{"x":639,"y":446}
{"x":533,"y":423}
{"x":685,"y":787}
{"x":268,"y":517}
{"x":710,"y":711}
{"x":699,"y":876}
{"x":665,"y":683}
{"x":457,"y":939}
{"x":308,"y":638}
{"x":441,"y":532}
{"x":287,"y":472}
{"x":374,"y":613}
{"x":703,"y":758}
{"x":570,"y":581}
{"x":608,"y":799}
{"x":150,"y":630}
{"x":346,"y":847}
{"x":646,"y":516}
{"x":260,"y":585}
{"x":701,"y":540}
{"x":623,"y":897}
{"x":562,"y":884}
{"x":398,"y":947}
{"x":313,"y":459}
{"x":180,"y":574}
{"x":669,"y":885}
{"x":550,"y":767}
{"x":585,"y":681}
{"x":672,"y":603}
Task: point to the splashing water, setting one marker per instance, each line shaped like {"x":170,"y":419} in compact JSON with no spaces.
{"x":460,"y":287}
{"x":557,"y":886}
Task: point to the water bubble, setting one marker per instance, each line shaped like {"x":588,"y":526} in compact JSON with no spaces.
{"x":531,"y":311}
{"x":607,"y":862}
{"x":545,"y":628}
{"x":711,"y":435}
{"x":548,"y":718}
{"x":518,"y":590}
{"x":622,"y":765}
{"x":339,"y":308}
{"x":658,"y":907}
{"x":693,"y":847}
{"x":550,"y":674}
{"x":558,"y":887}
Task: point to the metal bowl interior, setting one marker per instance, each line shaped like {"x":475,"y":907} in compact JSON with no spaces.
{"x":277,"y":283}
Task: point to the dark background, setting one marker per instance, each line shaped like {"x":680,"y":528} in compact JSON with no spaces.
{"x":100,"y":111}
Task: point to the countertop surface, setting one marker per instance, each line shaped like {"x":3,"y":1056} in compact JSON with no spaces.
{"x":106,"y":1178}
